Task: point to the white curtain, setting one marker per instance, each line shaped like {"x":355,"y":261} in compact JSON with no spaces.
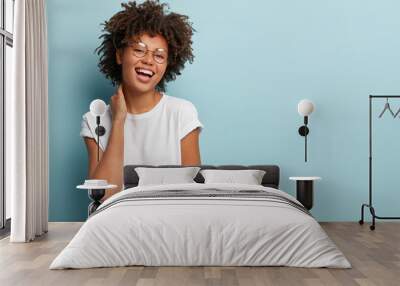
{"x":27,"y":124}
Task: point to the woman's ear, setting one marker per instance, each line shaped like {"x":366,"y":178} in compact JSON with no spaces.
{"x":118,"y":56}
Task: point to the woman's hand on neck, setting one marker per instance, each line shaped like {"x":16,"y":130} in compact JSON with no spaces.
{"x":139,"y":102}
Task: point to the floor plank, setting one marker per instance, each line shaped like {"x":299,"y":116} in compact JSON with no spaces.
{"x":374,"y":255}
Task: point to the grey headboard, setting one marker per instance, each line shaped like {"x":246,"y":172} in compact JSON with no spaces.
{"x":270,"y":179}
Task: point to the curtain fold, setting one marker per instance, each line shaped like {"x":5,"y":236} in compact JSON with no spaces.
{"x":27,"y":124}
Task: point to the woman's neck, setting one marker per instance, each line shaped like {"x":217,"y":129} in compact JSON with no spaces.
{"x":137,"y":102}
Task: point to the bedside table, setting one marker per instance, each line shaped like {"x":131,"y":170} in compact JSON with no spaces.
{"x":305,"y":190}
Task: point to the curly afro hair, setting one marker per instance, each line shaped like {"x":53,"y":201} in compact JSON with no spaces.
{"x":152,"y":18}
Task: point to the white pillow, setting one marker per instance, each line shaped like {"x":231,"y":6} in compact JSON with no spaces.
{"x":249,"y":177}
{"x":163,"y":176}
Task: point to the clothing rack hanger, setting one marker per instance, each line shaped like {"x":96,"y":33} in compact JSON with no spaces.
{"x":369,"y":205}
{"x":387,"y":107}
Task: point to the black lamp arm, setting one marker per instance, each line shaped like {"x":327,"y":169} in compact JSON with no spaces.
{"x":303,"y":131}
{"x":100,"y":131}
{"x":98,"y":138}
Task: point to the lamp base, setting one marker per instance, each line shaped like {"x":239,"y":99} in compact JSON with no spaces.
{"x":303,"y":130}
{"x":100,"y":130}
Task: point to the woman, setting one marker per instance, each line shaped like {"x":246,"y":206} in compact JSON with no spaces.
{"x":142,"y":48}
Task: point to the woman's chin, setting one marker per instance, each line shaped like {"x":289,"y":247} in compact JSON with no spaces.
{"x":142,"y":87}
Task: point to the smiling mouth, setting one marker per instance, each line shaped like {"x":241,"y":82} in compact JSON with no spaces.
{"x":144,"y":72}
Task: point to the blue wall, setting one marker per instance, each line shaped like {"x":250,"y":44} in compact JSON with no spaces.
{"x":254,"y":61}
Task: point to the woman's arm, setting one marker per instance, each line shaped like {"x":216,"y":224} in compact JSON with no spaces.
{"x":111,"y":162}
{"x":190,"y":150}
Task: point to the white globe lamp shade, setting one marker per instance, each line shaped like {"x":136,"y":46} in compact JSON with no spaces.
{"x":305,"y":107}
{"x":97,"y":107}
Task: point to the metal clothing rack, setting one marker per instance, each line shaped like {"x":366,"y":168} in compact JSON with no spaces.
{"x":369,"y":205}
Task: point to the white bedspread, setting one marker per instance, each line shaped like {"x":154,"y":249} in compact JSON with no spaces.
{"x":200,"y":231}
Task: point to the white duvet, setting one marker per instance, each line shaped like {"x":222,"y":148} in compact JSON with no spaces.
{"x":200,"y":231}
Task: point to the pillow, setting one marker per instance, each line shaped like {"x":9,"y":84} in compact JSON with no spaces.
{"x":249,"y":177}
{"x":163,"y":176}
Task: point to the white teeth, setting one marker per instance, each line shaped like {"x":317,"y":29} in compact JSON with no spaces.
{"x":148,"y":72}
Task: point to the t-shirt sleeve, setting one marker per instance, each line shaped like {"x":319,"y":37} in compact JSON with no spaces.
{"x":188,"y":119}
{"x":85,"y":130}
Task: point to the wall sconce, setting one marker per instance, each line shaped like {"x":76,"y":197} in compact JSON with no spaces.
{"x":305,"y":108}
{"x":98,"y":108}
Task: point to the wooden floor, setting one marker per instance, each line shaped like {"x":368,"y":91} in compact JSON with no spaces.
{"x":374,"y":255}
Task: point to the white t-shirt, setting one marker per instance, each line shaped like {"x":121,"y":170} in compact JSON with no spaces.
{"x":153,"y":137}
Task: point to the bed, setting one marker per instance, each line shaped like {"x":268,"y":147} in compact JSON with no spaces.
{"x":198,"y":224}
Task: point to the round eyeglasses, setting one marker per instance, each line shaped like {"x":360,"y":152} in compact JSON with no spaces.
{"x":140,"y":50}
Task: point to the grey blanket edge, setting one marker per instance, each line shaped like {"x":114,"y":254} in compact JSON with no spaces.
{"x":207,"y":194}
